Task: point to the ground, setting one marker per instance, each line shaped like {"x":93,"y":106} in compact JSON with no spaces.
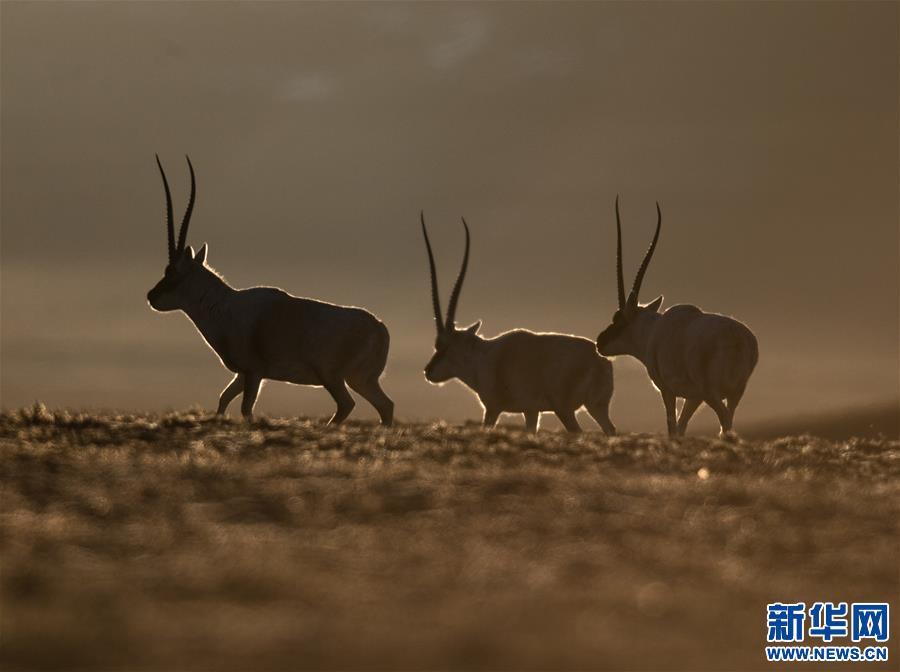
{"x":187,"y":542}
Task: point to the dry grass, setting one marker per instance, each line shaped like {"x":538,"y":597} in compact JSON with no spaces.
{"x":187,"y":542}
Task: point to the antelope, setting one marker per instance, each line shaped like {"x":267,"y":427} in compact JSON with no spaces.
{"x":702,"y":357}
{"x":265,"y":333}
{"x":519,"y":371}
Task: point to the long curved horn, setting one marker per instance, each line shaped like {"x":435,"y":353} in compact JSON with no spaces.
{"x":454,"y":297}
{"x":619,"y":277}
{"x":169,"y":223}
{"x":182,"y":232}
{"x":639,"y":278}
{"x":435,"y":299}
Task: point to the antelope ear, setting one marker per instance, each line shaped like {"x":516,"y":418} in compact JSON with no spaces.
{"x":473,"y":328}
{"x":655,"y":304}
{"x":200,"y":257}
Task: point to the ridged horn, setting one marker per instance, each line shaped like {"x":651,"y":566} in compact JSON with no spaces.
{"x":639,"y":278}
{"x":169,"y":223}
{"x":619,"y":277}
{"x":182,"y":232}
{"x":454,"y":297}
{"x":435,"y":298}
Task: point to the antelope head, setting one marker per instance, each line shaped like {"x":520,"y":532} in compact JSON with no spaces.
{"x":168,"y":293}
{"x":453,"y":348}
{"x":623,"y":336}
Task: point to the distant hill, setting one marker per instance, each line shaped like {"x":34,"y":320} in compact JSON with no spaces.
{"x":869,"y":422}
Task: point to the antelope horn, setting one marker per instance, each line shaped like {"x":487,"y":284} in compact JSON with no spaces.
{"x":169,"y":224}
{"x":435,"y":298}
{"x":639,"y":278}
{"x":454,"y":296}
{"x":619,"y":277}
{"x":182,"y":232}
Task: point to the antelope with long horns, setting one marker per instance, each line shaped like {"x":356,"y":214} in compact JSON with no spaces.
{"x":518,"y":371}
{"x":702,"y":357}
{"x":265,"y":333}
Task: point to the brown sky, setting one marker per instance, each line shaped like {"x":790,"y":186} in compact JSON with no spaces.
{"x":768,"y":132}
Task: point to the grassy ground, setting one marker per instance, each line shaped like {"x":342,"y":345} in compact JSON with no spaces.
{"x":187,"y":542}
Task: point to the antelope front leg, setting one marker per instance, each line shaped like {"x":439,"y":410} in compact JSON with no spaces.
{"x":669,"y":401}
{"x":689,"y":408}
{"x":490,"y":418}
{"x":233,"y":389}
{"x":251,"y":389}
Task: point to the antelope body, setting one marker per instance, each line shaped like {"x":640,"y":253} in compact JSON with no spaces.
{"x":265,"y":333}
{"x":701,"y":357}
{"x":519,"y":371}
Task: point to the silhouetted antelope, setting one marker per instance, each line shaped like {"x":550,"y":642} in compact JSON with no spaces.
{"x":265,"y":333}
{"x":703,"y":357}
{"x":518,"y":371}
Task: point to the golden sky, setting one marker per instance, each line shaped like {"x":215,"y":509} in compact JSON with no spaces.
{"x":767,"y":131}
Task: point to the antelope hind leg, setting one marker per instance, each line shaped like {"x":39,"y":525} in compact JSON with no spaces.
{"x":490,"y":418}
{"x":371,"y":391}
{"x":600,"y":413}
{"x":723,"y":414}
{"x":567,"y":418}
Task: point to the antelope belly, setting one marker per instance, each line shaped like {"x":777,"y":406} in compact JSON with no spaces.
{"x":297,"y":373}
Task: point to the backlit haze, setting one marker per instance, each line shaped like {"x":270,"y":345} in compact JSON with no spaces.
{"x":767,"y":131}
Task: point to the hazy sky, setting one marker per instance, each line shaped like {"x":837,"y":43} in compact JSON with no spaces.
{"x":767,"y":131}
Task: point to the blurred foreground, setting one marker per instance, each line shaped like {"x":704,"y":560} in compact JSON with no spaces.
{"x":187,"y":542}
